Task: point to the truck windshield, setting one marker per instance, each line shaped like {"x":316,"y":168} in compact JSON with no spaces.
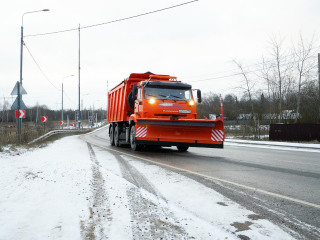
{"x":167,"y":93}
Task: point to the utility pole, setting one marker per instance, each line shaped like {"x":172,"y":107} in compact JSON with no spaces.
{"x":21,"y":60}
{"x":79,"y":113}
{"x":107,"y":101}
{"x":319,"y":86}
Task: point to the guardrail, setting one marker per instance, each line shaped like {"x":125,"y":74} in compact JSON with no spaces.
{"x":56,"y":132}
{"x":275,"y":144}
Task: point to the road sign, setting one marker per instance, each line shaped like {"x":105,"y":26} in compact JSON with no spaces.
{"x":15,"y":104}
{"x":21,"y":114}
{"x":15,"y":89}
{"x":44,"y":118}
{"x":61,"y":122}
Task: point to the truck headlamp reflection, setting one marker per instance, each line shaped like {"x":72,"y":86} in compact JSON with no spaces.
{"x":152,"y":101}
{"x":191,"y":102}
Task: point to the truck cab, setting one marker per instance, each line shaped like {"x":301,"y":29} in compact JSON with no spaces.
{"x":164,"y":100}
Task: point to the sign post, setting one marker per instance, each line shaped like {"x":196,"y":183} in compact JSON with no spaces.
{"x":19,"y":104}
{"x":44,"y":119}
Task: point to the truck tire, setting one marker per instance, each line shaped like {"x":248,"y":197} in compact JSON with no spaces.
{"x":116,"y":136}
{"x":133,"y":144}
{"x":111,"y":134}
{"x":182,"y":149}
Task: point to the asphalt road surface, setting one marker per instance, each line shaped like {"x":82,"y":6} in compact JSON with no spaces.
{"x":283,"y":186}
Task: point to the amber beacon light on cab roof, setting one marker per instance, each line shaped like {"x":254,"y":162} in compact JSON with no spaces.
{"x":148,"y":109}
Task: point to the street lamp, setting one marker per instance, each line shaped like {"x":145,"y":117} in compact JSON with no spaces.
{"x":62,"y":99}
{"x":21,"y":51}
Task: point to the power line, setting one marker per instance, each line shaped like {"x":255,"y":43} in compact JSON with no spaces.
{"x":40,"y":67}
{"x":45,"y":74}
{"x":256,"y":64}
{"x":113,"y":21}
{"x":235,"y":74}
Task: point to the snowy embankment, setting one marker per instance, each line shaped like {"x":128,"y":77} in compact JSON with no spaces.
{"x":73,"y":190}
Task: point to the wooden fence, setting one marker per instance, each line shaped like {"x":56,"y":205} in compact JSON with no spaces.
{"x":294,"y":132}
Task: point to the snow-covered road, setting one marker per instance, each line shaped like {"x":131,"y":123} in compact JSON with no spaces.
{"x":73,"y":190}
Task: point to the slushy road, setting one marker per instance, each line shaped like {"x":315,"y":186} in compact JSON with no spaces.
{"x":280,"y":184}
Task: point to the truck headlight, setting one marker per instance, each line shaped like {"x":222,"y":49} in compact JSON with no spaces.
{"x":191,"y":102}
{"x":152,"y":101}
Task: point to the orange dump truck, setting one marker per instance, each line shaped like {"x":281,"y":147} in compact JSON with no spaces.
{"x":147,"y":109}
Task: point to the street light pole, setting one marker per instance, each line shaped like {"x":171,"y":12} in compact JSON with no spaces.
{"x":21,"y":57}
{"x":62,"y":100}
{"x":79,"y":112}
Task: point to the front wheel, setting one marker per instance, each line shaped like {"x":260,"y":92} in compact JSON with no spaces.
{"x":133,"y":144}
{"x":182,"y":149}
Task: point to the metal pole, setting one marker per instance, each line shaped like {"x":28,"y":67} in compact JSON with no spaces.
{"x":107,"y":100}
{"x":319,"y":85}
{"x":19,"y":123}
{"x":21,"y":54}
{"x":79,"y":115}
{"x":19,"y":93}
{"x":62,"y":106}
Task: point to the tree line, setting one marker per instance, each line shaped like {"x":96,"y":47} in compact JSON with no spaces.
{"x":283,"y":87}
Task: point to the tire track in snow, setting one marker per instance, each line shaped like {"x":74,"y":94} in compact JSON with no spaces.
{"x":100,"y":214}
{"x":150,"y":217}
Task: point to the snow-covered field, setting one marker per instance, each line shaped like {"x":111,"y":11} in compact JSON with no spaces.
{"x":73,"y":190}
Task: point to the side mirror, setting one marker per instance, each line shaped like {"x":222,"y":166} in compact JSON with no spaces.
{"x":199,"y":96}
{"x":134,"y":92}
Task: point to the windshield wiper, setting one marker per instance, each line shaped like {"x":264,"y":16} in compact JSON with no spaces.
{"x":168,"y":96}
{"x":175,"y":96}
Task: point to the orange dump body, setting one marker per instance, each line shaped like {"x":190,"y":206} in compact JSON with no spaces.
{"x":163,"y":113}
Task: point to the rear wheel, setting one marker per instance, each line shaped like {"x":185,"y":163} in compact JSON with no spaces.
{"x":111,"y":134}
{"x":116,"y":136}
{"x":182,"y":149}
{"x":133,"y":144}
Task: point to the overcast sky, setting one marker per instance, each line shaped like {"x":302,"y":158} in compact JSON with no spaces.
{"x":193,"y":42}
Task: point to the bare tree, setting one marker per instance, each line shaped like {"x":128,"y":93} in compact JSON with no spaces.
{"x":305,"y":63}
{"x":281,"y":67}
{"x":249,"y":85}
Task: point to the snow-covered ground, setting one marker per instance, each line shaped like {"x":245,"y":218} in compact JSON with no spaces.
{"x":73,"y":190}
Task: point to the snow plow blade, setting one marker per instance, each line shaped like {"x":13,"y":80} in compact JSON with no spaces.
{"x":188,"y":133}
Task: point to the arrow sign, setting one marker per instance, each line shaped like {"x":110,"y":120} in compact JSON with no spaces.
{"x":21,"y":114}
{"x":44,"y":118}
{"x":61,"y":122}
{"x":15,"y":89}
{"x":15,"y":104}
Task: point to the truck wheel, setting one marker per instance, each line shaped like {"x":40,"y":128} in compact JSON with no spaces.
{"x":182,"y":149}
{"x":116,"y":136}
{"x":134,"y":145}
{"x":111,"y":134}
